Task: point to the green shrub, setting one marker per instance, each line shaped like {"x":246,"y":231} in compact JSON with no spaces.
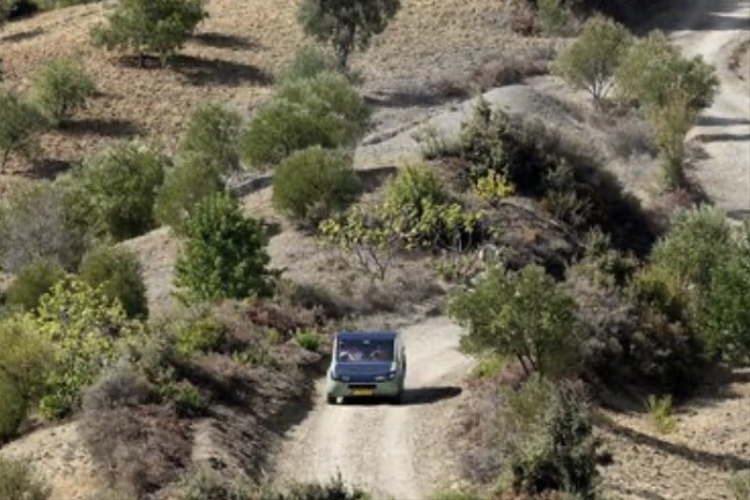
{"x":493,"y":187}
{"x":18,"y":482}
{"x":334,"y":489}
{"x":225,"y":254}
{"x":308,"y":61}
{"x":20,"y":127}
{"x":36,"y":224}
{"x":463,"y":493}
{"x":116,"y":272}
{"x":311,"y":184}
{"x":60,"y":88}
{"x":158,"y":27}
{"x":308,"y":339}
{"x":489,"y":366}
{"x":661,"y":412}
{"x":739,"y":484}
{"x":212,"y":136}
{"x":82,"y":325}
{"x":202,"y":335}
{"x":415,"y":185}
{"x":188,"y":183}
{"x":346,"y":24}
{"x":590,"y":62}
{"x":555,"y":18}
{"x":24,"y":364}
{"x":522,"y":314}
{"x":545,"y":440}
{"x":323,"y":111}
{"x":115,"y":191}
{"x":31,"y":282}
{"x":207,"y":484}
{"x":188,"y":400}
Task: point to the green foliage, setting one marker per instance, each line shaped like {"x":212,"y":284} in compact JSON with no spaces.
{"x":116,"y":272}
{"x":186,"y":185}
{"x":60,"y":88}
{"x":493,"y":187}
{"x":521,"y":314}
{"x":545,"y":440}
{"x":311,"y":184}
{"x":308,"y":339}
{"x":187,"y":398}
{"x":35,"y":224}
{"x":18,"y":482}
{"x":24,"y":364}
{"x":115,"y":191}
{"x":489,"y":366}
{"x":32,"y":281}
{"x":82,"y":325}
{"x":204,"y":335}
{"x":661,"y":413}
{"x":160,"y":27}
{"x":207,"y":484}
{"x":225,"y":254}
{"x":463,"y":493}
{"x":590,"y":62}
{"x":555,"y":18}
{"x":324,"y":111}
{"x":212,"y":136}
{"x":308,"y":61}
{"x":739,"y":484}
{"x":20,"y":126}
{"x":415,"y":185}
{"x":672,"y":90}
{"x":347,"y":24}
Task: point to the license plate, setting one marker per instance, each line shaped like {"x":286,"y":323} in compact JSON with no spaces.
{"x":364,"y":392}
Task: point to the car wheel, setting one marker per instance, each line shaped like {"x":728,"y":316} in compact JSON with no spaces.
{"x":331,"y":400}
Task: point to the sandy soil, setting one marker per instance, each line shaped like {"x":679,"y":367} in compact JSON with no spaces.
{"x":389,"y":450}
{"x":714,"y":29}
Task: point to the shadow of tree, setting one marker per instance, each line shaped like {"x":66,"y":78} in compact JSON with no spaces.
{"x":47,"y":168}
{"x":224,"y":41}
{"x":199,"y":71}
{"x":373,"y":178}
{"x":105,"y":127}
{"x":705,"y":458}
{"x":21,"y":36}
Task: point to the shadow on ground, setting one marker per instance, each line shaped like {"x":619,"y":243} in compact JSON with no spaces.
{"x":224,"y":41}
{"x":105,"y":127}
{"x":200,"y":71}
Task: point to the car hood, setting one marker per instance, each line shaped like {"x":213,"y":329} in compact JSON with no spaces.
{"x":363,"y":369}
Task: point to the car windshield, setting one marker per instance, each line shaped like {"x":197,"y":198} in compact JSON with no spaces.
{"x":365,"y":350}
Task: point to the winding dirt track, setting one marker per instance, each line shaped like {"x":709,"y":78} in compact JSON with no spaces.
{"x":714,"y":29}
{"x":388,"y":450}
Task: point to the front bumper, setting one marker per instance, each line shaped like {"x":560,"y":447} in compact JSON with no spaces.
{"x":340,"y":389}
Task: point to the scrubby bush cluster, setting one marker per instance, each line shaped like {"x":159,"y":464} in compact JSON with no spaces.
{"x":60,"y":88}
{"x":18,"y":482}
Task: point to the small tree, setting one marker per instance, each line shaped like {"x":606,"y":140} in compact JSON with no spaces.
{"x":555,"y":17}
{"x":672,"y":91}
{"x":225,"y":254}
{"x":116,"y":272}
{"x":60,"y":88}
{"x":35,"y":224}
{"x":522,"y":314}
{"x":150,"y":26}
{"x":346,"y":24}
{"x":308,"y":61}
{"x":212,"y":135}
{"x":20,"y":127}
{"x":32,"y":282}
{"x":115,"y":191}
{"x":312,"y":183}
{"x":590,"y":62}
{"x":185,"y":186}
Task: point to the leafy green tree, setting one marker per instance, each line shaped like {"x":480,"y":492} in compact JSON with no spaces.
{"x":35,"y":224}
{"x":212,"y":135}
{"x":82,"y":325}
{"x":189,"y":182}
{"x":589,"y":63}
{"x":311,"y":184}
{"x":32,"y":282}
{"x":160,"y":27}
{"x":346,"y":24}
{"x":17,"y":481}
{"x":308,"y":61}
{"x":523,"y":314}
{"x":60,"y":88}
{"x":24,"y":365}
{"x":225,"y":254}
{"x":323,"y":111}
{"x":20,"y":126}
{"x":114,"y":192}
{"x":116,"y":272}
{"x":555,"y":17}
{"x":672,"y":90}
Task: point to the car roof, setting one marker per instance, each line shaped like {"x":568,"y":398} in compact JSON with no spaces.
{"x":367,"y":334}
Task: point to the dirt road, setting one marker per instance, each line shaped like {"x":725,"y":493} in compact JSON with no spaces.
{"x":392,"y":451}
{"x":714,"y":29}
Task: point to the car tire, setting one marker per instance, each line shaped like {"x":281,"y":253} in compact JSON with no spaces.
{"x":331,"y":400}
